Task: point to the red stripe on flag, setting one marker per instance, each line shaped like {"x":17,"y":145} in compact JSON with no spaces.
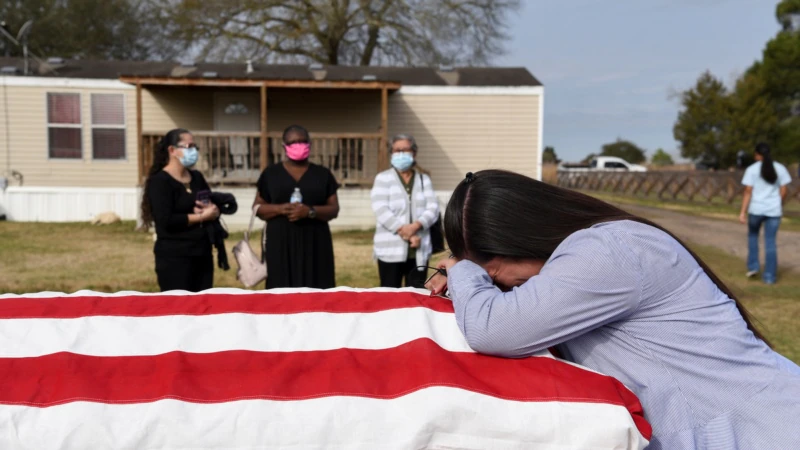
{"x":206,"y":304}
{"x":237,"y":375}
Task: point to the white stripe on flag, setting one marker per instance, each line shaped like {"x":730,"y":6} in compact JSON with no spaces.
{"x":87,"y":293}
{"x":461,"y":419}
{"x":131,"y":336}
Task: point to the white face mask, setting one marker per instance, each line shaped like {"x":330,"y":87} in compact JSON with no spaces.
{"x":189,"y":156}
{"x":402,"y":161}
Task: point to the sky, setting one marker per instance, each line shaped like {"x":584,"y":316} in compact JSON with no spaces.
{"x":611,"y":67}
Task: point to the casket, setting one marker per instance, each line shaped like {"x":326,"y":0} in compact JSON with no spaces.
{"x":285,"y":369}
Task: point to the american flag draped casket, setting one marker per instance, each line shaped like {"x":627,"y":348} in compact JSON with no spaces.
{"x":289,"y":369}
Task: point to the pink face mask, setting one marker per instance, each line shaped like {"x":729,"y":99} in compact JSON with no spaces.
{"x":298,"y":151}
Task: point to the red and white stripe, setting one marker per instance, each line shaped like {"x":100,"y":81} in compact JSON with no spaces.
{"x":302,"y":369}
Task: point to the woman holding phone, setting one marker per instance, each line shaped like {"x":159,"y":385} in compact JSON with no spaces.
{"x":178,"y":201}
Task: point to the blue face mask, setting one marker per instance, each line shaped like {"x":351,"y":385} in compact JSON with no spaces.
{"x":189,"y":156}
{"x":402,"y":161}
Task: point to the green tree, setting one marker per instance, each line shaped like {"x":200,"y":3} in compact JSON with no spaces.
{"x":703,"y":121}
{"x":549,"y":156}
{"x":626,"y":150}
{"x":780,"y":69}
{"x":787,"y":12}
{"x":753,"y":115}
{"x":662,"y":158}
{"x":780,"y":72}
{"x":354,"y":32}
{"x":86,"y":29}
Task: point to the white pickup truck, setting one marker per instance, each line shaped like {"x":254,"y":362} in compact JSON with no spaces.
{"x":602,"y":164}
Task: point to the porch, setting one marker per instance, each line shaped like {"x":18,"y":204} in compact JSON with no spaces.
{"x":235,"y":158}
{"x":237,"y":124}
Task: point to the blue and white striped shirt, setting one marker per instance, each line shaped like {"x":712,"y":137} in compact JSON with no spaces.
{"x":627,"y":300}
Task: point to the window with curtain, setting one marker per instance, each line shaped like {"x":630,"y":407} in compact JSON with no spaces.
{"x":108,"y":126}
{"x":64,"y":126}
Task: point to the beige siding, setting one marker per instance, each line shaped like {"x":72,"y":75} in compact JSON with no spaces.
{"x":25,"y":129}
{"x":462,"y":133}
{"x":456,"y":133}
{"x":165,"y":108}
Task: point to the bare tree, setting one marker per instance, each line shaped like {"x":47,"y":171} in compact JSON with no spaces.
{"x":347,"y":32}
{"x":87,"y":29}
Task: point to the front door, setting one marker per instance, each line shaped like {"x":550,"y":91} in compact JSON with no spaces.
{"x":239,"y":111}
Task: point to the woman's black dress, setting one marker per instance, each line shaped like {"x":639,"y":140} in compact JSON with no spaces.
{"x":298,"y":254}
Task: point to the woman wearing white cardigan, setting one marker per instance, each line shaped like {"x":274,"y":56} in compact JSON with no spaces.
{"x":405,"y":207}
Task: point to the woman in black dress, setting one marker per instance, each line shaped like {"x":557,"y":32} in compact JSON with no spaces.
{"x":299,"y":249}
{"x":182,"y":249}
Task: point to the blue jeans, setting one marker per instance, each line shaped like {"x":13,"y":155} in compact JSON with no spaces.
{"x":771,"y":224}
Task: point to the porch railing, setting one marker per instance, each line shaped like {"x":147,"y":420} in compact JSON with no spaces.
{"x":234,"y":158}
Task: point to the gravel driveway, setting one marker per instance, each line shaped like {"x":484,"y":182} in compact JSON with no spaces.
{"x":726,"y":235}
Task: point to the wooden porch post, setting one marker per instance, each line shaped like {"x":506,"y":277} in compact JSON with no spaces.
{"x":139,"y":138}
{"x":383,"y":160}
{"x":263,"y":152}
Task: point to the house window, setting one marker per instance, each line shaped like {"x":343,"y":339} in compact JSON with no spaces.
{"x":64,"y":126}
{"x":108,"y":126}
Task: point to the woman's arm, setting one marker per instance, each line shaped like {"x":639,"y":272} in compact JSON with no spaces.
{"x":267,"y":211}
{"x":429,"y":217}
{"x":748,"y":194}
{"x":380,"y":206}
{"x":325,"y":213}
{"x":593,"y":281}
{"x":330,"y":210}
{"x":163,"y":208}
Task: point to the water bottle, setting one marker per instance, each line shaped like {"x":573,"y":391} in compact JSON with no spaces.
{"x":296,"y":197}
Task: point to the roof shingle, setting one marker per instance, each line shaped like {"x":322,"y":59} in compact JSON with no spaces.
{"x":410,"y":76}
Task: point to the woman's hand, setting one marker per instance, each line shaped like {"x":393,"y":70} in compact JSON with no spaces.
{"x":407,"y":231}
{"x":743,"y":218}
{"x":438,"y":283}
{"x":298,"y":211}
{"x":415,"y":241}
{"x":286,"y":208}
{"x":207,"y":212}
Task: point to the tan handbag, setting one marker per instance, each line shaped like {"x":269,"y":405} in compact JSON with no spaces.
{"x":252,"y":270}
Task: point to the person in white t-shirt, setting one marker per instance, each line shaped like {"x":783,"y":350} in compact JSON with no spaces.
{"x":765,"y":189}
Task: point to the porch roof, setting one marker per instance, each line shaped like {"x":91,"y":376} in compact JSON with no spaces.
{"x":149,"y":72}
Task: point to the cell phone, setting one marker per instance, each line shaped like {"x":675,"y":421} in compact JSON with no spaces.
{"x":204,"y":197}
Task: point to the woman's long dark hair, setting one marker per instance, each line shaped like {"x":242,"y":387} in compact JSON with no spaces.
{"x":768,"y":172}
{"x":498,"y":213}
{"x":160,"y":160}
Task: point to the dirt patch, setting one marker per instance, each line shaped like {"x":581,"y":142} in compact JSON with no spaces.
{"x":728,"y":236}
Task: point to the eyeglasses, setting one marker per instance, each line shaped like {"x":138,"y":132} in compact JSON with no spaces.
{"x":436,"y":271}
{"x":402,"y":150}
{"x":194,"y":146}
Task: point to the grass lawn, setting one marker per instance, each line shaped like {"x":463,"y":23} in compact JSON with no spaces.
{"x":38,"y":257}
{"x":717,"y":209}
